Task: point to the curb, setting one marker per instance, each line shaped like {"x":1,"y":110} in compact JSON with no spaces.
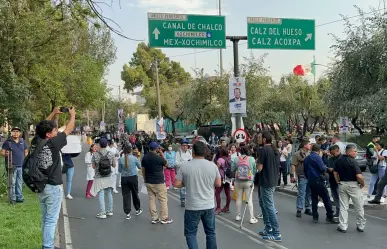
{"x":366,"y":206}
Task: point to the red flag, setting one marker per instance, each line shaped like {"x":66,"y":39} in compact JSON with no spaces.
{"x":299,"y":70}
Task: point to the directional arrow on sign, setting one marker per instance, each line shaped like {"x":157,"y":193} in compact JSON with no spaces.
{"x":156,"y":32}
{"x":308,"y":37}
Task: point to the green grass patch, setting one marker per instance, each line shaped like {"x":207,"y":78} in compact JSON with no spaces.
{"x":20,"y":224}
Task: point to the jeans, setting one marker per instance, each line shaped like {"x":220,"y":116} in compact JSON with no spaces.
{"x":101,"y":199}
{"x":129,"y":186}
{"x":303,"y":196}
{"x":283,"y":170}
{"x":191,"y":222}
{"x":381,"y":186}
{"x":266,"y":201}
{"x":318,"y":189}
{"x":374,"y":177}
{"x":289,"y":162}
{"x":182,"y":195}
{"x":50,"y":203}
{"x":69,"y":177}
{"x":335,"y":194}
{"x":17,"y":184}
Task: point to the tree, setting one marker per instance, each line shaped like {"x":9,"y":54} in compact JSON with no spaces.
{"x":47,"y":58}
{"x":172,"y":77}
{"x":359,"y":72}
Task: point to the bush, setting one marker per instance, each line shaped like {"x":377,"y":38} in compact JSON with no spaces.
{"x":363,"y":140}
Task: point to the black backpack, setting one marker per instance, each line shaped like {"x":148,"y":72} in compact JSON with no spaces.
{"x":32,"y":176}
{"x":104,"y":166}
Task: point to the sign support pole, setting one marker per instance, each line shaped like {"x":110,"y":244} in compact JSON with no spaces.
{"x":235,"y":40}
{"x":158,"y":88}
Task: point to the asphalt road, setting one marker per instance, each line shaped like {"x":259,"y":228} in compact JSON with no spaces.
{"x":115,"y":232}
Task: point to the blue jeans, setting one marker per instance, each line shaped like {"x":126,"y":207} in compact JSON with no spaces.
{"x":69,"y":177}
{"x":304,"y":196}
{"x":289,"y":162}
{"x":17,"y":183}
{"x":191,"y":222}
{"x":50,"y":203}
{"x":266,"y":201}
{"x":182,"y":195}
{"x":101,"y":198}
{"x":374,"y":177}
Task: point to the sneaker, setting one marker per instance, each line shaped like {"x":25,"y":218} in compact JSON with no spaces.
{"x":382,"y":200}
{"x":218,"y":211}
{"x":264,"y":232}
{"x":374,"y":201}
{"x":320,"y":204}
{"x":138,"y":212}
{"x":259,"y":216}
{"x":308,"y":212}
{"x":20,"y":201}
{"x":315,"y":220}
{"x":109,"y":213}
{"x":276,"y":211}
{"x":341,"y":230}
{"x":167,"y":188}
{"x":298,"y":214}
{"x":155,"y":221}
{"x":115,"y":191}
{"x":101,"y":216}
{"x":360,"y":230}
{"x":166,"y":221}
{"x":277,"y":238}
{"x":128,"y":217}
{"x":331,"y":221}
{"x":253,"y":220}
{"x":238,"y":218}
{"x":69,"y":197}
{"x":175,"y":188}
{"x":119,"y":186}
{"x":225,"y":210}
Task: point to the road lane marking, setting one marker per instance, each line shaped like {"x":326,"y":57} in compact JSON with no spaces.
{"x":236,"y":226}
{"x":66,"y":225}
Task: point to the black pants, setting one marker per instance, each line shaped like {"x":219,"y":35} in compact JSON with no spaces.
{"x":318,"y":189}
{"x":284,"y":171}
{"x":382,"y":183}
{"x":129,"y":186}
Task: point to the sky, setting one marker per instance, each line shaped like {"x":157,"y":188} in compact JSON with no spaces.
{"x":131,"y":15}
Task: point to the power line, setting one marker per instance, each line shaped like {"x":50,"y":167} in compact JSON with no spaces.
{"x":243,"y":43}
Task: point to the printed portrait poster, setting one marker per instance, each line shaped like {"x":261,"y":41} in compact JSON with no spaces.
{"x":237,"y":95}
{"x":121,"y":128}
{"x":160,"y":129}
{"x":120,"y":115}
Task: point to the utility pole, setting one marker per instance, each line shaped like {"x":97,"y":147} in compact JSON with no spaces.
{"x":119,"y":93}
{"x":221,"y":51}
{"x":235,"y":40}
{"x":158,"y":89}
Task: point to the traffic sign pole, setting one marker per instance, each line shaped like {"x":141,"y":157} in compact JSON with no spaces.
{"x":235,"y":40}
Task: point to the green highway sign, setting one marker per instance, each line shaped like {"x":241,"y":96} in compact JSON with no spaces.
{"x":280,"y":33}
{"x":186,"y":31}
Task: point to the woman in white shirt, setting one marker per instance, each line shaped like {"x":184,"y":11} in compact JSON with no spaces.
{"x":283,"y":167}
{"x":90,"y":171}
{"x":380,"y":155}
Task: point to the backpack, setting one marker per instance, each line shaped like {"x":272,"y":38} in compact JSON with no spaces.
{"x":243,"y":171}
{"x":228,"y":172}
{"x":32,"y":176}
{"x":104,"y":165}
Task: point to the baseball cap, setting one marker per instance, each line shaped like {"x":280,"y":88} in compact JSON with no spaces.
{"x":184,"y":142}
{"x":154,"y":145}
{"x":15,"y":129}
